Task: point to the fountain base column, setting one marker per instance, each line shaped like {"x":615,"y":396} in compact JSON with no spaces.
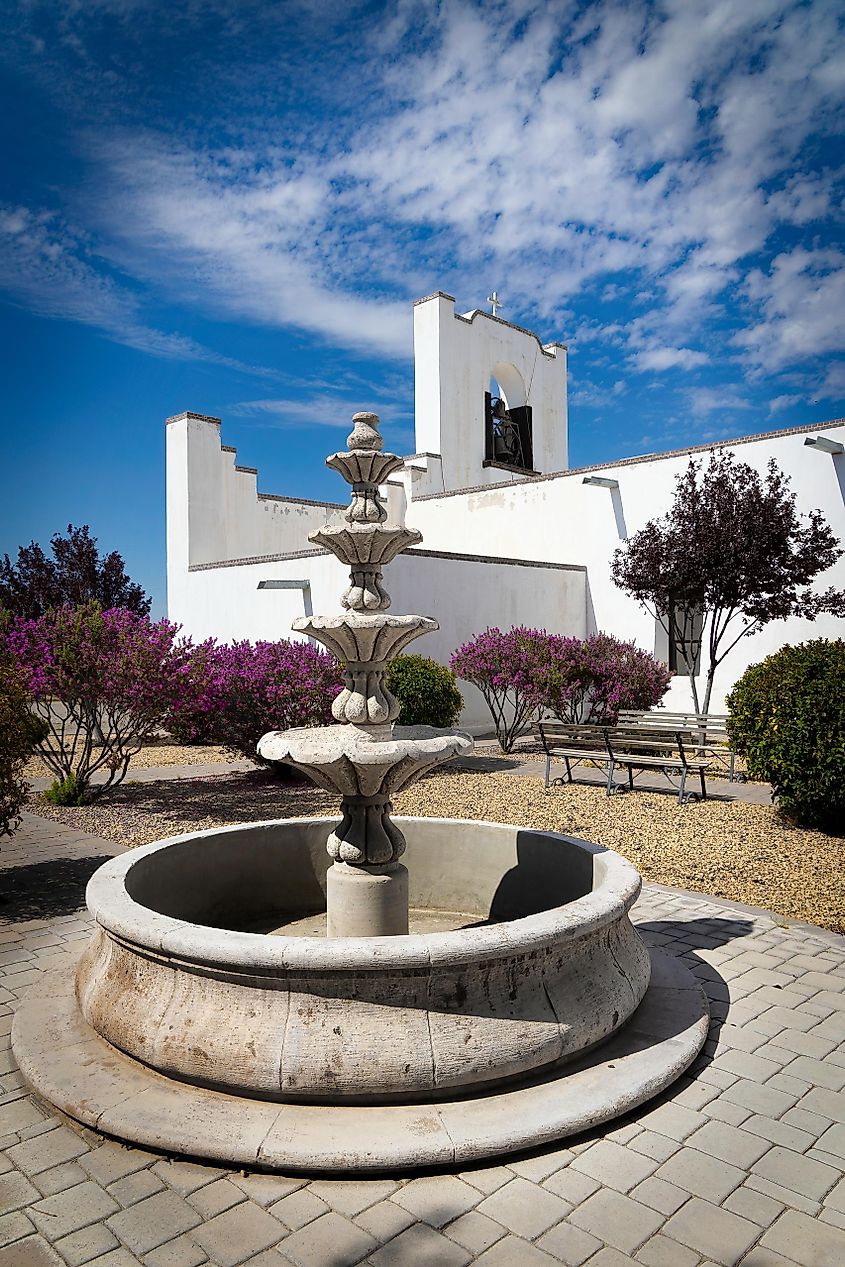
{"x":367,"y":901}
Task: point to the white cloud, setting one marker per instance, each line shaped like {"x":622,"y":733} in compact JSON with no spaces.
{"x":786,"y":401}
{"x":708,"y":400}
{"x":801,"y":300}
{"x":45,"y":267}
{"x":542,"y":149}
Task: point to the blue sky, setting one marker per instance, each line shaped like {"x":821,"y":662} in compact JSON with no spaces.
{"x":229,"y":207}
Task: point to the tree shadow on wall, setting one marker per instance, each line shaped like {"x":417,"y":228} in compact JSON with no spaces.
{"x":46,"y":890}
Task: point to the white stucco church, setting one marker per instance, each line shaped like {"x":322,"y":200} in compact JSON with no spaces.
{"x":511,"y":536}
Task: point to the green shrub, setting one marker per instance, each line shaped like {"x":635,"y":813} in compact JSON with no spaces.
{"x":64,"y":792}
{"x":16,"y":740}
{"x":787,"y":718}
{"x":426,"y":690}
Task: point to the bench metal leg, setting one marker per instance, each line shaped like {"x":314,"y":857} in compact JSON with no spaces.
{"x":703,"y":785}
{"x":682,"y":789}
{"x":610,"y":770}
{"x":548,"y":770}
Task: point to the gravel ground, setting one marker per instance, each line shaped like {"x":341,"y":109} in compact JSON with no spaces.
{"x":149,"y":755}
{"x":728,"y":849}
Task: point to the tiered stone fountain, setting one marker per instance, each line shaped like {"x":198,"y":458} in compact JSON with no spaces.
{"x":210,"y":1015}
{"x":365,"y":758}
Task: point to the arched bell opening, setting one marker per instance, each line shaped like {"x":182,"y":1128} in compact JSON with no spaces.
{"x":508,"y":440}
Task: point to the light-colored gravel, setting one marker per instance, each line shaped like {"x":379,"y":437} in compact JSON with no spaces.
{"x":733,"y":850}
{"x":150,"y":755}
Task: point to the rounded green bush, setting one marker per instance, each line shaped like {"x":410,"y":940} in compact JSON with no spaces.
{"x":426,"y":690}
{"x":787,"y":718}
{"x":18,"y":733}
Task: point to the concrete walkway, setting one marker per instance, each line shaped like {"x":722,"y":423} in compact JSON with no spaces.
{"x":741,"y":1162}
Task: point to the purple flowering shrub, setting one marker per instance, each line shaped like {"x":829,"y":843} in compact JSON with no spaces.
{"x":102,"y":682}
{"x":238,"y":691}
{"x":526,"y":671}
{"x":505,"y":667}
{"x":589,"y":681}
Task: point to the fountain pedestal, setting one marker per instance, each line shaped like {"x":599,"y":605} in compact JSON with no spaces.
{"x":366,"y":901}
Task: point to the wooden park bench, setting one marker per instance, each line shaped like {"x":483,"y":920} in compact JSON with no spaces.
{"x":669,"y":751}
{"x":711,"y":733}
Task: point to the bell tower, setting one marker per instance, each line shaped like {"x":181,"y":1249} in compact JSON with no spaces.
{"x":490,"y":399}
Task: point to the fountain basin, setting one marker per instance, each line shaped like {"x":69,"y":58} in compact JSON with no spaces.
{"x":180,"y":976}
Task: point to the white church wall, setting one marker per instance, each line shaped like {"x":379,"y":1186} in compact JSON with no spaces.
{"x":225,"y":602}
{"x":562,"y":519}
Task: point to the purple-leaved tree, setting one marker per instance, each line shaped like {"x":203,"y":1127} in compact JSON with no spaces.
{"x":75,"y":574}
{"x":732,"y":554}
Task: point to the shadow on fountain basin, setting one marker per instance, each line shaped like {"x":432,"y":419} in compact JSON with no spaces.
{"x":260,"y":878}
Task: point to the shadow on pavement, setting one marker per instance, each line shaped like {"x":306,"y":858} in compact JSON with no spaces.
{"x":46,"y":890}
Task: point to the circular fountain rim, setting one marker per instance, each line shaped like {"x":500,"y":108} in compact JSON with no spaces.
{"x":118,"y":913}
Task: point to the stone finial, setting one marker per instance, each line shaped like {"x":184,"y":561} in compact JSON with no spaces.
{"x":364,"y":434}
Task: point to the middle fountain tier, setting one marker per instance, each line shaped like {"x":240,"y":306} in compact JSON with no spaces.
{"x":365,"y":757}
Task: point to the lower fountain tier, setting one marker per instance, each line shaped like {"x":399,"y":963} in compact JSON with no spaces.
{"x":358,"y":762}
{"x":553,"y":966}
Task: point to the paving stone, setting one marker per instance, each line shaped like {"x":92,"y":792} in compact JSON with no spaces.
{"x":804,"y":1044}
{"x":150,"y":1223}
{"x":660,"y":1195}
{"x":69,"y":1210}
{"x":421,"y":1246}
{"x":487,"y":1178}
{"x":616,"y":1220}
{"x":704,"y":1176}
{"x":729,"y":1143}
{"x":133,"y":1188}
{"x":833,"y":1140}
{"x":820,"y":1073}
{"x":264,"y":1190}
{"x":544,"y":1164}
{"x":181,"y":1252}
{"x":216,"y":1197}
{"x":14,"y":1226}
{"x":384,"y":1220}
{"x":118,"y":1258}
{"x":722,"y":1236}
{"x":806,"y":1240}
{"x":32,"y":1252}
{"x":570,"y":1244}
{"x":68,"y":1175}
{"x":661,"y":1252}
{"x":755,"y":1206}
{"x":787,"y":1196}
{"x":111,"y":1162}
{"x":350,"y":1197}
{"x":438,"y":1199}
{"x":778,"y":1132}
{"x":829,"y":1104}
{"x":793,"y":1170}
{"x":15,"y":1192}
{"x":329,"y":1239}
{"x":757,"y":1256}
{"x":723,"y":1111}
{"x":757,"y":1098}
{"x":476,"y":1232}
{"x":572,"y":1186}
{"x":511,"y":1251}
{"x":299,"y":1208}
{"x":231,"y":1237}
{"x":744,"y":1065}
{"x":18,"y":1115}
{"x":47,"y":1150}
{"x":659,"y":1147}
{"x":524,"y":1208}
{"x":186,"y":1177}
{"x":614,"y":1166}
{"x":611,"y":1258}
{"x":673,"y":1120}
{"x":89,"y":1242}
{"x":836,"y":1197}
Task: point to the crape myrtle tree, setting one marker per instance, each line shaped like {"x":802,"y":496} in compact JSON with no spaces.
{"x":732,"y":554}
{"x":76,"y":574}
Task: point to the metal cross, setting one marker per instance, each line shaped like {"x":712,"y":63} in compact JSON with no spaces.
{"x":495,"y":302}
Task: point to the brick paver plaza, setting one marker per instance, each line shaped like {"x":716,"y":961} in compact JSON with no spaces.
{"x":741,"y":1162}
